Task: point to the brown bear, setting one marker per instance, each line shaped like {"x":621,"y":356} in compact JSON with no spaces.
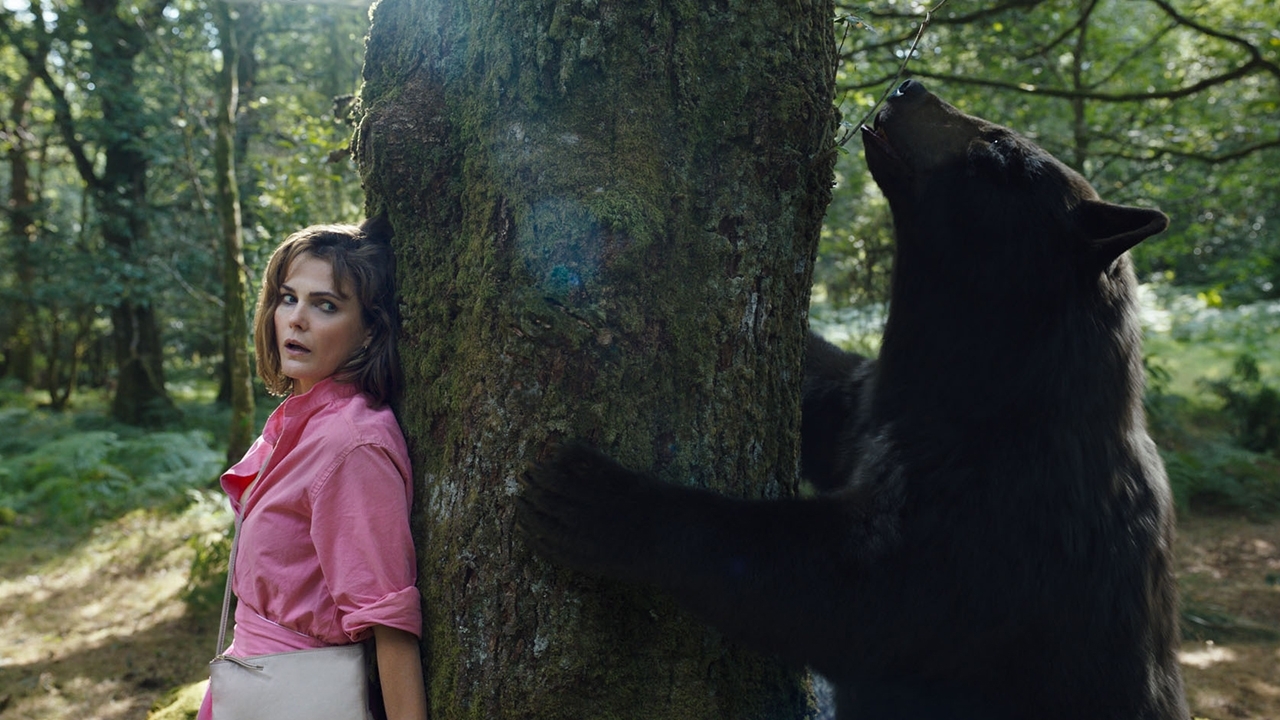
{"x":995,"y":533}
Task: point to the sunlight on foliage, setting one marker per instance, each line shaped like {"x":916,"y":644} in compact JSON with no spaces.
{"x":181,"y":703}
{"x":54,"y":472}
{"x":1211,"y":404}
{"x":207,"y":577}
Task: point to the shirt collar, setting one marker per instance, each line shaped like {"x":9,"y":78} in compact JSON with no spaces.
{"x":320,"y":394}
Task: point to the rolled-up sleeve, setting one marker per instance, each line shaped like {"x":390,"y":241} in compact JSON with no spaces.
{"x":360,"y":528}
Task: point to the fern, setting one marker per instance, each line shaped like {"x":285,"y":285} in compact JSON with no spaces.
{"x":1223,"y":476}
{"x":89,"y":475}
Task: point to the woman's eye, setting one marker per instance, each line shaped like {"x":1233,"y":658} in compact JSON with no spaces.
{"x":288,"y":299}
{"x":328,"y":307}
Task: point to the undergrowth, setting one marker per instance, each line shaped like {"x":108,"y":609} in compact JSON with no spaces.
{"x":52,"y":472}
{"x":1212,"y":403}
{"x":207,"y":577}
{"x":67,"y":472}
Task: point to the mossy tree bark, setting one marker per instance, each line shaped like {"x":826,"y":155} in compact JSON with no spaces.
{"x":235,"y":328}
{"x":606,"y":215}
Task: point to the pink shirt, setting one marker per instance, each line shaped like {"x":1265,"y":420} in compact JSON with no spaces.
{"x":325,"y":551}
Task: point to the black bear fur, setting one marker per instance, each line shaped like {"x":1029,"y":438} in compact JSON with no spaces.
{"x":994,"y":536}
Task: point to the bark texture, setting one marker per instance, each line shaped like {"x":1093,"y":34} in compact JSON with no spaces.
{"x":606,"y":216}
{"x":234,"y":284}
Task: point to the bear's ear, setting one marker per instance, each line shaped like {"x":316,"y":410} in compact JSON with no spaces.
{"x":1110,"y":230}
{"x":378,"y":228}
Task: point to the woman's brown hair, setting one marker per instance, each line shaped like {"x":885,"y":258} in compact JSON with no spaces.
{"x":362,"y":263}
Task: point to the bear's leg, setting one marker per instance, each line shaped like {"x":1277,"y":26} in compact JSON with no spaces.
{"x":832,"y":419}
{"x":777,"y":575}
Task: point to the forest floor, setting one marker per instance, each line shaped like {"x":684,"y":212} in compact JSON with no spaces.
{"x":94,"y":627}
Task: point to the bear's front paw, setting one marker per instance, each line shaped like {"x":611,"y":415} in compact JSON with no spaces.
{"x":581,"y":509}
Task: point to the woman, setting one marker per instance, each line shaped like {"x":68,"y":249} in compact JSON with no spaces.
{"x":325,"y":556}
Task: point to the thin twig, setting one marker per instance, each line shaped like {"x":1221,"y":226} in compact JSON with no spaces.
{"x":902,"y":69}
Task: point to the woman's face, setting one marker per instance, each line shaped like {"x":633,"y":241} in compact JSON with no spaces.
{"x":319,"y":325}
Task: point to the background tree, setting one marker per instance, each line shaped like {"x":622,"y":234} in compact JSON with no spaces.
{"x":49,"y":326}
{"x":1152,"y":101}
{"x":234,"y":284}
{"x":294,"y":170}
{"x":18,"y":328}
{"x":115,"y":37}
{"x":606,"y":216}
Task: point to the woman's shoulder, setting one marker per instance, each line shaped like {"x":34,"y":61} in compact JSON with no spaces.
{"x":359,"y":438}
{"x":348,"y":418}
{"x":364,"y":422}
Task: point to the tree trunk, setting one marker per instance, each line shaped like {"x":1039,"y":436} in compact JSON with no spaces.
{"x":606,"y":216}
{"x":234,"y":285}
{"x":19,"y":346}
{"x":140,"y":397}
{"x":120,"y":198}
{"x":62,"y":362}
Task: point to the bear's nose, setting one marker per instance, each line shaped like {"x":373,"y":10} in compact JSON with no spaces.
{"x":910,"y":89}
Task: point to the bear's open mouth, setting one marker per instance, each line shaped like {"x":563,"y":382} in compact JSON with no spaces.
{"x":877,"y":137}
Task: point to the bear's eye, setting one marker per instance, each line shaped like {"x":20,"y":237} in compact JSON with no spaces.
{"x":995,"y":155}
{"x":995,"y":137}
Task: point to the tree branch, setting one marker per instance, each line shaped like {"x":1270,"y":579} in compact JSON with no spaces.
{"x":1136,"y":53}
{"x":972,"y":17}
{"x":37,"y":63}
{"x":1255,"y":55}
{"x":1031,"y":89}
{"x":1207,"y":158}
{"x":66,"y":124}
{"x":1256,"y":60}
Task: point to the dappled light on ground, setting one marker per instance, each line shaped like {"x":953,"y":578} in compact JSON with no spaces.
{"x":1241,"y":680}
{"x":1208,"y":656}
{"x":94,"y":628}
{"x":1229,"y":570}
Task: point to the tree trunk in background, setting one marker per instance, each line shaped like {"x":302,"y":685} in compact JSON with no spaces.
{"x":140,"y":398}
{"x":120,"y":198}
{"x":247,"y":24}
{"x":606,"y":216}
{"x":234,"y":285}
{"x":19,"y":345}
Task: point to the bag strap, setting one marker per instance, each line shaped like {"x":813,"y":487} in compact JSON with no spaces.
{"x":226,"y":593}
{"x":231,"y":560}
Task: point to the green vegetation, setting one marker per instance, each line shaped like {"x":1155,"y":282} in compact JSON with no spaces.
{"x":71,"y":470}
{"x":63,"y":474}
{"x":1212,"y":402}
{"x":1171,"y":104}
{"x":72,"y":262}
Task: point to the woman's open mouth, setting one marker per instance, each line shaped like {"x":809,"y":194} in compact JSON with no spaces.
{"x":293,"y":347}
